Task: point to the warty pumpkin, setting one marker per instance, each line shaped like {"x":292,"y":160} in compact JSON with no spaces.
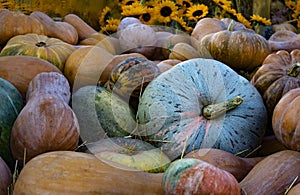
{"x":202,"y":103}
{"x":20,"y":70}
{"x":194,"y":176}
{"x":53,"y":50}
{"x":285,"y":120}
{"x":278,"y":74}
{"x":68,"y":172}
{"x":15,"y":23}
{"x":10,"y":107}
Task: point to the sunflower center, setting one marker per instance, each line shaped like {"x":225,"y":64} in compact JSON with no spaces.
{"x":197,"y":13}
{"x":129,"y":3}
{"x":186,"y":4}
{"x":146,"y":17}
{"x":166,"y":11}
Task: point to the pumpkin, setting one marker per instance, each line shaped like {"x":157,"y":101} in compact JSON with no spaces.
{"x":285,"y":121}
{"x":57,"y":29}
{"x":193,"y":176}
{"x":273,"y":175}
{"x":278,"y":74}
{"x":46,"y":123}
{"x":240,"y":49}
{"x":202,"y":103}
{"x":25,"y":24}
{"x":284,"y":40}
{"x":10,"y":107}
{"x":126,"y":21}
{"x":294,"y":190}
{"x":284,"y":26}
{"x":20,"y":70}
{"x":239,"y":167}
{"x":183,"y":51}
{"x":83,"y":174}
{"x":84,"y":30}
{"x":86,"y":65}
{"x":100,"y":40}
{"x":53,"y":50}
{"x":5,"y":177}
{"x":102,"y":113}
{"x":130,"y":77}
{"x":138,"y":38}
{"x":130,"y":152}
{"x":50,"y":83}
{"x":269,"y":145}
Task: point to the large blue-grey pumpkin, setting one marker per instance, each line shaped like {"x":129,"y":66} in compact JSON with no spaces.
{"x":202,"y":103}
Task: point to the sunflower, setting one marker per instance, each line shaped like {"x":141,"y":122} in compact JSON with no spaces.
{"x":111,"y":26}
{"x":127,"y":2}
{"x":165,"y":11}
{"x":184,"y":3}
{"x":290,"y":4}
{"x":223,"y":3}
{"x":148,"y":17}
{"x":197,"y":11}
{"x":134,"y":10}
{"x":243,"y":20}
{"x":104,"y":15}
{"x":260,"y":19}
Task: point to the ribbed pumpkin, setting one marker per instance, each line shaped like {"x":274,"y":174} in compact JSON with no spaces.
{"x":10,"y":107}
{"x":286,"y":121}
{"x":278,"y":74}
{"x":53,"y":50}
{"x":194,"y":176}
{"x":202,"y":103}
{"x":17,"y":23}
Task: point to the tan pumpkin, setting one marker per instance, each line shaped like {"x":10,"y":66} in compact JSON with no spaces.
{"x":86,"y":65}
{"x":67,"y":172}
{"x":274,"y":174}
{"x":284,"y":40}
{"x":16,"y":23}
{"x":53,"y":50}
{"x":285,"y":120}
{"x":100,"y":40}
{"x":183,"y":51}
{"x":84,"y":30}
{"x":20,"y":70}
{"x":57,"y":29}
{"x":284,"y":26}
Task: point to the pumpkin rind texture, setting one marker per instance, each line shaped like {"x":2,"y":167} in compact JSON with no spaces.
{"x":10,"y":107}
{"x":193,"y":176}
{"x":285,"y":120}
{"x":53,"y":50}
{"x":170,"y":110}
{"x":6,"y":177}
{"x":68,"y":172}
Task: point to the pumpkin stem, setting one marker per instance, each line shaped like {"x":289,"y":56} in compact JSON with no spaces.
{"x":41,"y":44}
{"x":230,"y":25}
{"x":293,"y":71}
{"x":215,"y":110}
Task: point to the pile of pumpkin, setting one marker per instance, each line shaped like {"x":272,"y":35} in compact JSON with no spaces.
{"x":149,"y":110}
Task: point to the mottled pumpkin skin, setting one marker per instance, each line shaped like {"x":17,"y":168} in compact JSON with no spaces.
{"x":241,"y":49}
{"x":53,"y":50}
{"x":273,"y":79}
{"x":194,"y":176}
{"x":170,"y":110}
{"x":285,"y":120}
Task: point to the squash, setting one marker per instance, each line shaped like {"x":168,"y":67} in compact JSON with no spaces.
{"x":269,"y":145}
{"x":183,"y":51}
{"x":125,"y":22}
{"x":285,"y":121}
{"x":67,"y":172}
{"x":86,"y":65}
{"x":294,"y":190}
{"x":241,"y":49}
{"x":84,"y":30}
{"x":100,"y":40}
{"x":284,"y":40}
{"x":284,"y":26}
{"x":57,"y":29}
{"x":278,"y":74}
{"x":138,"y":38}
{"x":53,"y":50}
{"x":10,"y":107}
{"x":274,"y":174}
{"x":50,"y":83}
{"x":130,"y":77}
{"x":20,"y":70}
{"x":202,"y":103}
{"x":193,"y":176}
{"x":6,"y":177}
{"x":15,"y":23}
{"x":239,"y":167}
{"x":46,"y":123}
{"x":102,"y":114}
{"x":130,"y":152}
